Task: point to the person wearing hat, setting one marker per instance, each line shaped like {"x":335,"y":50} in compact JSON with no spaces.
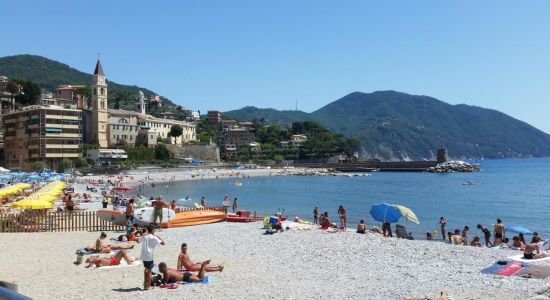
{"x":316,"y":215}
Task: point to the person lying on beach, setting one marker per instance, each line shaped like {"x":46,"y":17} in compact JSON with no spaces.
{"x":111,"y":261}
{"x":170,"y":275}
{"x":185,"y":263}
{"x":531,"y":248}
{"x":99,"y":247}
{"x":361,"y":228}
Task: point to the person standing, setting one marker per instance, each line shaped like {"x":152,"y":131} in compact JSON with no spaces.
{"x":316,"y":215}
{"x":130,"y":211}
{"x":465,"y":234}
{"x":148,"y":244}
{"x":342,"y":215}
{"x":443,"y":223}
{"x":235,"y":205}
{"x":486,"y":234}
{"x":499,"y":232}
{"x":386,"y":229}
{"x":203,"y":201}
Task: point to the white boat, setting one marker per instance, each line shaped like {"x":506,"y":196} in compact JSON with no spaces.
{"x":145,"y":216}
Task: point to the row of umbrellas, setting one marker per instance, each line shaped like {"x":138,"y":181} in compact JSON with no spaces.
{"x":391,"y":213}
{"x":43,"y":198}
{"x":13,"y":189}
{"x":32,"y":176}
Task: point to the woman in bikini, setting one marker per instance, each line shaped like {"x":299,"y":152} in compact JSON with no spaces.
{"x":532,"y":250}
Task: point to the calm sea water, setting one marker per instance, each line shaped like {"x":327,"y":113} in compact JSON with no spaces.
{"x":517,"y":191}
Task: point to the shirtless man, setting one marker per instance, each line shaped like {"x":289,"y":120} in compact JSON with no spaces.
{"x":99,"y":247}
{"x":170,"y":275}
{"x":159,"y":205}
{"x":499,"y":232}
{"x":111,"y":261}
{"x":185,"y":263}
{"x":458,"y":239}
{"x":130,"y":211}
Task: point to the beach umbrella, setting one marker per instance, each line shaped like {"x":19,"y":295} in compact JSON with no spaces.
{"x":518,"y":229}
{"x":407,"y":213}
{"x":33,"y":204}
{"x":384,"y":212}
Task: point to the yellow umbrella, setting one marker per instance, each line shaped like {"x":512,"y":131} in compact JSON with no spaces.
{"x":407,"y":213}
{"x":33,"y":204}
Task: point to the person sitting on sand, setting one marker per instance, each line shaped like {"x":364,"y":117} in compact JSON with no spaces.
{"x":475,"y":242}
{"x":517,"y":244}
{"x":170,"y":275}
{"x":325,"y":221}
{"x":457,"y":238}
{"x":361,"y":228}
{"x":530,"y":249}
{"x":111,"y":261}
{"x":185,"y":263}
{"x":105,"y":248}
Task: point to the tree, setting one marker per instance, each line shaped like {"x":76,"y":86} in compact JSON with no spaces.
{"x":83,"y":91}
{"x":80,"y":163}
{"x":162,"y":152}
{"x":176,"y":131}
{"x":64,"y":164}
{"x":38,"y":166}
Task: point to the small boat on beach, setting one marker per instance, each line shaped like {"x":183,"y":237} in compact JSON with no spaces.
{"x":195,"y":217}
{"x":243,"y":216}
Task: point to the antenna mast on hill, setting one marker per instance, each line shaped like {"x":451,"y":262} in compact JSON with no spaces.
{"x":296,"y":107}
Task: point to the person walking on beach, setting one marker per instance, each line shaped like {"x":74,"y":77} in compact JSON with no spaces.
{"x":235,"y":205}
{"x":316,"y":215}
{"x":342,"y":215}
{"x":148,"y":244}
{"x":499,"y":232}
{"x":486,"y":234}
{"x":443,"y":223}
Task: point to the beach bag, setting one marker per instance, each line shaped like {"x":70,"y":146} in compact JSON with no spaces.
{"x":156,"y":280}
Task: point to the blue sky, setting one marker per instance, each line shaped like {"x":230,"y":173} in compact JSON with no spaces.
{"x":228,"y":54}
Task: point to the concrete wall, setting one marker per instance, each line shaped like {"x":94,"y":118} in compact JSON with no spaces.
{"x":202,"y":152}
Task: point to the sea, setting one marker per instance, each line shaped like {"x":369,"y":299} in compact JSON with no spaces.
{"x":514,"y":190}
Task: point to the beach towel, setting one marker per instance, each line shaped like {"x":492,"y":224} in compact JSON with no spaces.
{"x":123,"y":264}
{"x":205,"y":280}
{"x":504,"y":268}
{"x":534,"y":271}
{"x":85,"y":252}
{"x":519,"y":257}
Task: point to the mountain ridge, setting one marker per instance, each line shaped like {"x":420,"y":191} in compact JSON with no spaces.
{"x":398,"y":126}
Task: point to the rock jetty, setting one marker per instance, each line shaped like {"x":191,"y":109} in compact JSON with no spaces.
{"x":454,"y":166}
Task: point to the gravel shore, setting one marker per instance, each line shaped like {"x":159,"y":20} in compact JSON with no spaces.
{"x":305,"y":264}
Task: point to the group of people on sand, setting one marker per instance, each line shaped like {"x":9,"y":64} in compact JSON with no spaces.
{"x":186,"y":270}
{"x":324,"y":221}
{"x":531,"y":250}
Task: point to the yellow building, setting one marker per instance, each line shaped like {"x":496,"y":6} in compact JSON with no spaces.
{"x":100,"y":115}
{"x":41,"y":133}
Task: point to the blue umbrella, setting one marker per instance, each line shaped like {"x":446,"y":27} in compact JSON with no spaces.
{"x":518,"y":229}
{"x":384,"y":212}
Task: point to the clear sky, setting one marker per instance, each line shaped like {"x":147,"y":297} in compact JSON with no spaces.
{"x":228,"y":54}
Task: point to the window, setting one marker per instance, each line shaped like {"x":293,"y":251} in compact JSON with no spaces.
{"x":102,"y":91}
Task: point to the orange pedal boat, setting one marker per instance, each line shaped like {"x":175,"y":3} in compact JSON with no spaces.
{"x":195,"y":217}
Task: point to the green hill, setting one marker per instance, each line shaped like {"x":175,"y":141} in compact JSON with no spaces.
{"x":268,"y":115}
{"x":393,"y":125}
{"x":49,"y":74}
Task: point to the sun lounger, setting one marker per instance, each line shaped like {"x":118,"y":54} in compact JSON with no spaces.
{"x":402,"y":233}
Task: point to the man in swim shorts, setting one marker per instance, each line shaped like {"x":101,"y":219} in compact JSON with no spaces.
{"x":499,"y":232}
{"x":111,"y":261}
{"x":170,"y":275}
{"x":157,"y":213}
{"x":185,"y":263}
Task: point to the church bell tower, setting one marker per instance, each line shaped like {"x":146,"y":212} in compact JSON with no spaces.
{"x":100,"y":114}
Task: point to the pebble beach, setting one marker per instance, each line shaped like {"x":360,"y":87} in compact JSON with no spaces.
{"x":295,"y":264}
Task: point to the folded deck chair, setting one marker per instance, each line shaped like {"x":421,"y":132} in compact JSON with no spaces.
{"x":402,"y":233}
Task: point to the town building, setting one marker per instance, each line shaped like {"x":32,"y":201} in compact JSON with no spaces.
{"x":106,"y":157}
{"x":41,"y":133}
{"x":69,"y":92}
{"x":214,"y":117}
{"x":237,"y":137}
{"x":114,"y":128}
{"x":297,"y":140}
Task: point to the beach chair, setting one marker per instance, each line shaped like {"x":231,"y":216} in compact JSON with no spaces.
{"x":402,"y":233}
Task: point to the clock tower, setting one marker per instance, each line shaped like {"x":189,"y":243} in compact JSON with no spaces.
{"x":100,"y":114}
